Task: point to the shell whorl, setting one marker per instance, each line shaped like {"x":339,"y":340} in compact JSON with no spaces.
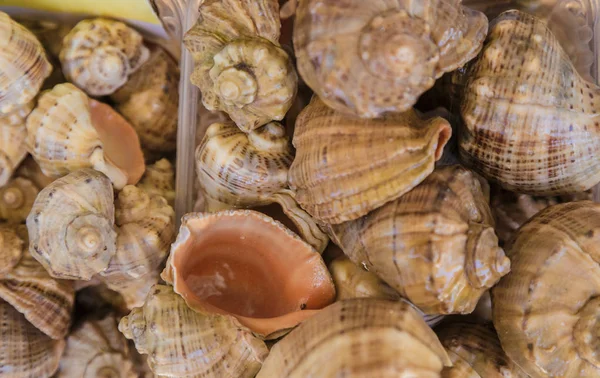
{"x":16,"y":199}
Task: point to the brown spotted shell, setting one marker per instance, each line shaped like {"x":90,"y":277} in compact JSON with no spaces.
{"x":13,"y":141}
{"x":16,"y":199}
{"x":159,"y":179}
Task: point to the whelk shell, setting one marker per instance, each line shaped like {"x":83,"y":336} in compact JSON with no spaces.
{"x":16,"y":199}
{"x":13,"y":141}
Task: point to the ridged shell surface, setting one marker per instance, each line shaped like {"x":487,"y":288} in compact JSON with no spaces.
{"x":16,"y":199}
{"x":13,"y":141}
{"x":11,"y":248}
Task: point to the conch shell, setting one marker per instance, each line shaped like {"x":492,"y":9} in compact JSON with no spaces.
{"x":98,"y":55}
{"x":159,"y":179}
{"x":245,"y":264}
{"x":346,"y":167}
{"x":529,"y":118}
{"x":359,"y":338}
{"x":24,"y":65}
{"x":68,"y":131}
{"x":174,"y":337}
{"x":435,"y":245}
{"x":13,"y":140}
{"x":16,"y":199}
{"x":149,"y":100}
{"x":368,"y":58}
{"x":546,"y":310}
{"x":239,"y":66}
{"x":71,"y":225}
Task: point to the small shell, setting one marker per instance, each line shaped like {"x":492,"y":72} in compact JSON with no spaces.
{"x":11,"y":249}
{"x":159,"y":179}
{"x":359,"y":338}
{"x":367,"y":58}
{"x":24,"y":65}
{"x":346,"y":167}
{"x":245,"y":264}
{"x":475,"y":352}
{"x":435,"y":245}
{"x":98,"y":55}
{"x":16,"y":199}
{"x":71,"y":225}
{"x":97,"y":349}
{"x":102,"y":139}
{"x":174,"y":337}
{"x":239,"y":66}
{"x":25,"y":352}
{"x":13,"y":140}
{"x":31,"y":170}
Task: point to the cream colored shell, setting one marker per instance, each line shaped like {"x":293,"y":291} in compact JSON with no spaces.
{"x":13,"y":140}
{"x":24,"y":65}
{"x":174,"y":336}
{"x":239,"y":66}
{"x":358,"y":338}
{"x":16,"y":199}
{"x":71,"y":225}
{"x":159,"y":179}
{"x":98,"y":55}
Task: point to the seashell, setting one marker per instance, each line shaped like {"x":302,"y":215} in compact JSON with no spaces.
{"x":102,"y":140}
{"x":49,"y":33}
{"x":11,"y":249}
{"x":368,"y":58}
{"x":545,"y":311}
{"x":24,"y":65}
{"x":359,"y":338}
{"x":150,"y":100}
{"x":173,"y":336}
{"x":16,"y":199}
{"x":239,"y":66}
{"x":24,"y":350}
{"x":204,"y":119}
{"x":159,"y":179}
{"x":245,"y":264}
{"x":435,"y":245}
{"x":31,"y":171}
{"x":13,"y":140}
{"x":146,"y":229}
{"x":346,"y":167}
{"x":98,"y":55}
{"x":71,"y":225}
{"x":97,"y":349}
{"x":548,"y":147}
{"x":475,"y":352}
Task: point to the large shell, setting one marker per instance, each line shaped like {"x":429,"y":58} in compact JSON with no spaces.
{"x":11,"y":249}
{"x":98,"y":55}
{"x":239,"y":66}
{"x":13,"y":140}
{"x":475,"y":352}
{"x":367,"y":58}
{"x":16,"y":199}
{"x":245,"y":264}
{"x":346,"y":167}
{"x":435,"y":245}
{"x":25,"y":352}
{"x":68,"y":131}
{"x":71,"y":225}
{"x":97,"y":349}
{"x":149,"y":100}
{"x":359,"y":338}
{"x":159,"y":178}
{"x":545,"y":142}
{"x":181,"y":342}
{"x":24,"y":65}
{"x":546,"y":310}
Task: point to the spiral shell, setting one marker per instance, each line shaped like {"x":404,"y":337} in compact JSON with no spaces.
{"x":68,"y":131}
{"x":71,"y":225}
{"x":359,"y":338}
{"x":16,"y":199}
{"x":173,"y":336}
{"x":159,"y":179}
{"x":239,"y":66}
{"x":367,"y":58}
{"x":11,"y":249}
{"x":150,"y":100}
{"x":98,"y":55}
{"x":13,"y":141}
{"x":24,"y":65}
{"x":345,"y":167}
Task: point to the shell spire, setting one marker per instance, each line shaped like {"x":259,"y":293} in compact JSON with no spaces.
{"x":16,"y":199}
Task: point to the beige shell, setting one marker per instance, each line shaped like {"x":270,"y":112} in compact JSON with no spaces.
{"x":11,"y":249}
{"x":68,"y":131}
{"x":367,"y":58}
{"x":71,"y":225}
{"x":24,"y":65}
{"x":549,"y":146}
{"x":150,"y":99}
{"x":475,"y":352}
{"x":31,"y":171}
{"x":181,"y":342}
{"x":25,"y":352}
{"x":146,"y":228}
{"x":435,"y":245}
{"x":16,"y":199}
{"x":546,"y":310}
{"x":205,"y":118}
{"x":239,"y":66}
{"x":98,"y":55}
{"x":345,"y":167}
{"x":13,"y":140}
{"x":159,"y":179}
{"x":245,"y":264}
{"x":359,"y":338}
{"x":97,"y":349}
